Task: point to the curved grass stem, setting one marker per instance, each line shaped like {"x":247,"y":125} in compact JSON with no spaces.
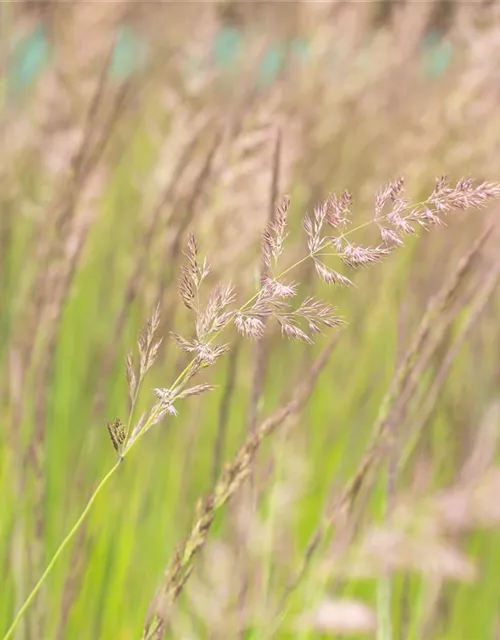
{"x":60,"y":549}
{"x":181,"y":378}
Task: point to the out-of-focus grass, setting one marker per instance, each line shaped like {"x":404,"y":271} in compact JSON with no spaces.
{"x":146,"y":509}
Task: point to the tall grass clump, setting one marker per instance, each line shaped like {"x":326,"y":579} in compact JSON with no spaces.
{"x":394,"y":218}
{"x":347,"y":482}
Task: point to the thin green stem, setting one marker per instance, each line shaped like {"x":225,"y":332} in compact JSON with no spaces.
{"x":59,"y":551}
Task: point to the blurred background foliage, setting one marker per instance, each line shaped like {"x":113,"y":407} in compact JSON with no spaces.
{"x":31,"y":53}
{"x":127,"y":124}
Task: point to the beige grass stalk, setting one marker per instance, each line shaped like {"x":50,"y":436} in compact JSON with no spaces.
{"x":486,"y":287}
{"x":405,"y":371}
{"x":261,"y":347}
{"x":401,"y":388}
{"x":230,"y":481}
{"x":34,"y":339}
{"x":187,"y":213}
{"x":35,"y":454}
{"x":83,"y":163}
{"x":424,"y":341}
{"x":132,"y":287}
{"x":260,"y":353}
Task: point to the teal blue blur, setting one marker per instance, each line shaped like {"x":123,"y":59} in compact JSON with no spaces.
{"x":299,"y":49}
{"x":272,"y":65}
{"x":28,"y":59}
{"x":274,"y":62}
{"x":129,"y":54}
{"x":227,"y":47}
{"x":31,"y":55}
{"x":436,"y":55}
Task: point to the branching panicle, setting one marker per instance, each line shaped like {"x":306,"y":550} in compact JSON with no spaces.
{"x":195,"y":391}
{"x":131,"y":377}
{"x":390,"y":238}
{"x":278,"y":289}
{"x":187,"y":290}
{"x":290,"y":330}
{"x":319,"y":312}
{"x":337,"y":210}
{"x":189,"y":346}
{"x":197,"y":270}
{"x":464,"y":195}
{"x":274,"y":234}
{"x":148,"y":349}
{"x":329,"y":275}
{"x":313,"y":227}
{"x":390,"y":193}
{"x":355,"y":256}
{"x":206,"y":354}
{"x":214,"y":317}
{"x":192,"y":275}
{"x":249,"y":326}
